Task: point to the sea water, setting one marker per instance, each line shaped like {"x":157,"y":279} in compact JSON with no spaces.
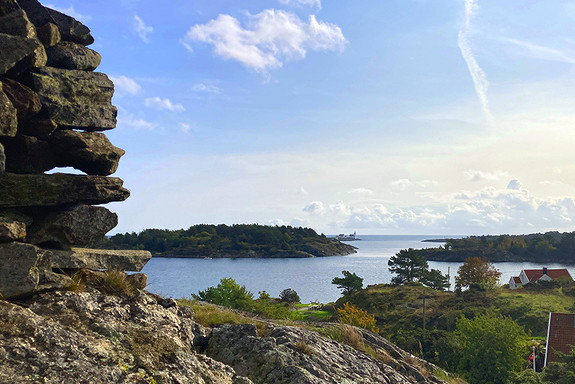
{"x":310,"y":278}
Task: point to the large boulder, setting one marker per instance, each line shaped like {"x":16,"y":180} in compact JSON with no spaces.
{"x":2,"y":159}
{"x":79,"y":225}
{"x":8,"y":6}
{"x":70,"y":28}
{"x":8,"y":116}
{"x":21,"y":266}
{"x":90,"y":152}
{"x":37,"y":127}
{"x":16,"y":23}
{"x":36,"y":12}
{"x":25,"y":100}
{"x":20,"y":54}
{"x":59,"y":189}
{"x":70,"y":55}
{"x":76,"y":99}
{"x":27,"y":154}
{"x":78,"y":258}
{"x":49,"y":34}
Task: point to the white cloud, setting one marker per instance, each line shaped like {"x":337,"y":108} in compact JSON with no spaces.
{"x":128,"y":120}
{"x":270,"y":38}
{"x":361,"y":191}
{"x":404,"y":184}
{"x":185,"y":127}
{"x":315,"y":208}
{"x":542,"y":52}
{"x":477,"y":74}
{"x":201,"y":87}
{"x":477,"y":175}
{"x":514,"y":185}
{"x":126,"y":84}
{"x":299,"y":3}
{"x":159,"y":103}
{"x":70,"y":11}
{"x":142,"y":29}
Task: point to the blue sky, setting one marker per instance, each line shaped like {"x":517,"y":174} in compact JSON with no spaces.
{"x":381,"y":117}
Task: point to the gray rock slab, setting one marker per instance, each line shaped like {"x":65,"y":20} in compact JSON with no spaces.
{"x":11,"y":230}
{"x":20,"y":54}
{"x":49,"y":34}
{"x":36,"y":12}
{"x":37,"y":127}
{"x":8,"y":116}
{"x":58,"y":189}
{"x":119,"y":260}
{"x":90,"y":152}
{"x":16,"y":23}
{"x":83,"y":116}
{"x":8,"y":6}
{"x":79,"y":225}
{"x":70,"y":55}
{"x":25,"y":100}
{"x":20,"y":268}
{"x":2,"y":159}
{"x":70,"y":28}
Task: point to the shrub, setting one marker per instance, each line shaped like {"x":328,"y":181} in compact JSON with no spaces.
{"x":229,"y":294}
{"x":115,"y":283}
{"x":289,"y":296}
{"x":352,"y":315}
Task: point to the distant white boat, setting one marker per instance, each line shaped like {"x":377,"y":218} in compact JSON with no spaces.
{"x":350,"y":237}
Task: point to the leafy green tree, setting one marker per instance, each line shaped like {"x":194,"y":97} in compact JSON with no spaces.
{"x":435,"y":279}
{"x":229,"y":294}
{"x":562,"y":372}
{"x":289,"y":296}
{"x":477,"y":270}
{"x":492,"y":346}
{"x":408,"y":265}
{"x":349,"y":283}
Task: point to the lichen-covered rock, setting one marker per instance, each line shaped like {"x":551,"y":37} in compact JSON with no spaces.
{"x":11,"y":230}
{"x":49,"y":34}
{"x":20,"y":54}
{"x":27,"y":154}
{"x":78,"y":225}
{"x":16,"y":23}
{"x":83,"y":116}
{"x":36,"y":12}
{"x":8,"y":116}
{"x":70,"y":28}
{"x":25,"y":100}
{"x":108,"y":259}
{"x":90,"y":152}
{"x":20,"y":268}
{"x":59,"y":189}
{"x":70,"y":55}
{"x":67,"y":337}
{"x":8,"y":6}
{"x":2,"y":159}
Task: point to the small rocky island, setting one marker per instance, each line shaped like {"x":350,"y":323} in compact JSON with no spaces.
{"x":233,"y":241}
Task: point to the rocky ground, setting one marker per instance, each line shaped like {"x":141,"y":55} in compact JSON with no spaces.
{"x":92,"y":337}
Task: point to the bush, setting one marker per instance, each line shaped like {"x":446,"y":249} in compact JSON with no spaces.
{"x":352,"y":315}
{"x":229,"y":294}
{"x":289,"y":296}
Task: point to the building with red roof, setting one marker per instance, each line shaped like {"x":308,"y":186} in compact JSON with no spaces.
{"x":544,"y":274}
{"x":560,"y":335}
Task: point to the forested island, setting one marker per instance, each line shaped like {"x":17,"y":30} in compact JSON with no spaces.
{"x":235,"y":241}
{"x":549,"y":247}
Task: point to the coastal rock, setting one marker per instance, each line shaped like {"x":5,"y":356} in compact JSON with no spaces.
{"x":25,"y":100}
{"x":17,"y":24}
{"x":89,"y":337}
{"x":11,"y":230}
{"x":20,"y":266}
{"x":59,"y":189}
{"x":117,"y":260}
{"x":8,"y":116}
{"x":27,"y":154}
{"x":70,"y":55}
{"x":293,"y":355}
{"x":8,"y":6}
{"x":49,"y":34}
{"x":20,"y":54}
{"x":83,"y":116}
{"x":36,"y":12}
{"x":70,"y":28}
{"x":79,"y":225}
{"x":89,"y":152}
{"x":2,"y":159}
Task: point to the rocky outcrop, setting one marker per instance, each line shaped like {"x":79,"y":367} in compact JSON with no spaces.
{"x":90,"y":337}
{"x":52,"y":107}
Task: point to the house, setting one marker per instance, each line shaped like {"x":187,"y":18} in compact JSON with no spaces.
{"x":560,"y":335}
{"x":532,"y":275}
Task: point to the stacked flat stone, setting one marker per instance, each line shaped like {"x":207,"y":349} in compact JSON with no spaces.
{"x":53,"y":108}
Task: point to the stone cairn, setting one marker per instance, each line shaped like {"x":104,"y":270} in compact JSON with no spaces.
{"x":53,"y":108}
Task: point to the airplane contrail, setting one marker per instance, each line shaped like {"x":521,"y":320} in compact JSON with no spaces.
{"x":477,"y":74}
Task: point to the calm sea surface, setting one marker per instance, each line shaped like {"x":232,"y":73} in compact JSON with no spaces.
{"x":310,"y":278}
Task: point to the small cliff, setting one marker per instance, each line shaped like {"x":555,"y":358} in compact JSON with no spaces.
{"x":92,"y":337}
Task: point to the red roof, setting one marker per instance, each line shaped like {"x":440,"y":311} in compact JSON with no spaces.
{"x":535,"y":274}
{"x":516,"y":279}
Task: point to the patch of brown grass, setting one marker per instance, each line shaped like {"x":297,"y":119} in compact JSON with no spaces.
{"x":303,"y":347}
